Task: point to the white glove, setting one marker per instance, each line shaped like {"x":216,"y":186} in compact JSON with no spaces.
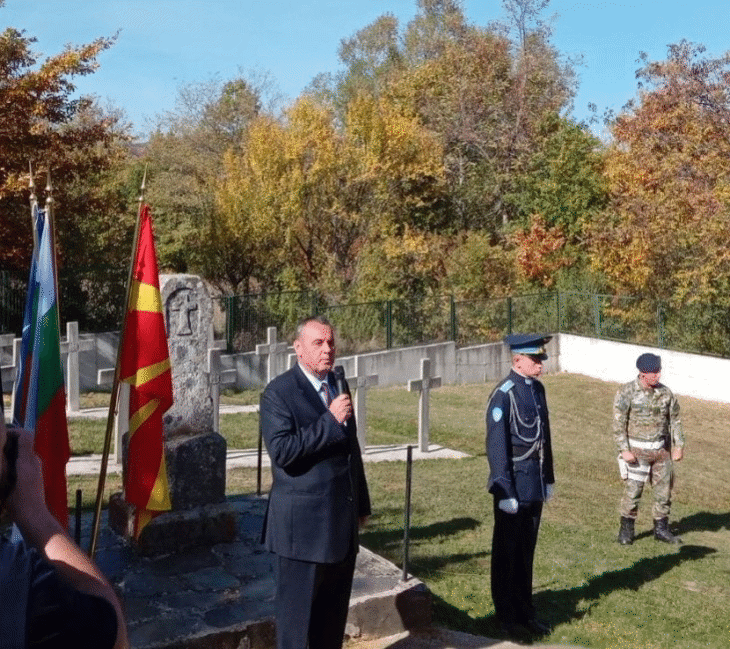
{"x":549,"y":490}
{"x":508,"y":505}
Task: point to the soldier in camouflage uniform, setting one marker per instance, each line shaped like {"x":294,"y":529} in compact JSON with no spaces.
{"x":648,"y":433}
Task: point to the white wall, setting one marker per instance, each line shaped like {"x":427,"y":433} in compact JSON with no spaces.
{"x":691,"y":375}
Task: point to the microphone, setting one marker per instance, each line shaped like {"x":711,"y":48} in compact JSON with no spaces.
{"x":339,"y":373}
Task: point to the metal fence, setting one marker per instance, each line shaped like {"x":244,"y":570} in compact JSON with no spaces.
{"x":95,"y":298}
{"x":373,"y":326}
{"x":360,"y":327}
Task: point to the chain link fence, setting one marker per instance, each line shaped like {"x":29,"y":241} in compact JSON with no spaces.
{"x":94,"y":298}
{"x":385,"y":324}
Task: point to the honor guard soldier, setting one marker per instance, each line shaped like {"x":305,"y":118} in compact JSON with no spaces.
{"x":648,"y":434}
{"x":521,"y":479}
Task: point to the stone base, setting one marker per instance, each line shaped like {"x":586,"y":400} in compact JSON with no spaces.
{"x":381,"y":604}
{"x":174,"y":531}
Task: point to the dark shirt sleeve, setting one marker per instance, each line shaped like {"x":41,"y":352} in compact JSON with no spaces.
{"x":41,"y":610}
{"x":59,"y":616}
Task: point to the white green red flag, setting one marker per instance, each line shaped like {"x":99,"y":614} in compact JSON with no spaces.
{"x":145,"y":365}
{"x":40,"y":395}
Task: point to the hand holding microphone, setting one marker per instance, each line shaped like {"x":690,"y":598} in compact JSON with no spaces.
{"x":341,"y":406}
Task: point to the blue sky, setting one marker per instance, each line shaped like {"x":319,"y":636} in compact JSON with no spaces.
{"x":166,"y":43}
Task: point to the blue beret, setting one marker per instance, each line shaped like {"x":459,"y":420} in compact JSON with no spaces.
{"x":649,"y":363}
{"x":528,"y":344}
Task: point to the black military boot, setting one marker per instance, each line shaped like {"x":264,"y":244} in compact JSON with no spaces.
{"x":626,"y":533}
{"x":662,"y":533}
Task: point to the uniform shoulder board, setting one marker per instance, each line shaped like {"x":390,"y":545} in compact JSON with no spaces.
{"x":506,"y":386}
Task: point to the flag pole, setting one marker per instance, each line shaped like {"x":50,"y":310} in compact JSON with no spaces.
{"x":33,"y":206}
{"x":51,"y":223}
{"x":113,"y":401}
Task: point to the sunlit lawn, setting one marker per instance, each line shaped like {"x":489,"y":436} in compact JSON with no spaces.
{"x":595,"y":592}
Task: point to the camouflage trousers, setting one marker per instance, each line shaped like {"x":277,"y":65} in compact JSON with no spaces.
{"x":654,"y":466}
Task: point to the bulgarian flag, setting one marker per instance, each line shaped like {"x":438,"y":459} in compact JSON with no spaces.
{"x":40,"y":396}
{"x":145,"y":365}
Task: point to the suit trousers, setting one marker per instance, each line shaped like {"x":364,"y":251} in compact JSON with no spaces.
{"x":513,"y":550}
{"x":312,"y":601}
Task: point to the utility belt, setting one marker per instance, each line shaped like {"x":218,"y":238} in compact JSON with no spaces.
{"x":640,"y":469}
{"x":648,"y":446}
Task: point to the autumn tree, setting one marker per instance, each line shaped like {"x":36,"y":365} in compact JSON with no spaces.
{"x":80,"y":143}
{"x":321,"y":196}
{"x":665,"y":234}
{"x":186,"y":162}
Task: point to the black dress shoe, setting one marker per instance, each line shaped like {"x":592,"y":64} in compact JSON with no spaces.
{"x":538,"y":627}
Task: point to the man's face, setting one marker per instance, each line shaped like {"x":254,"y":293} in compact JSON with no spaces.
{"x":530,"y":366}
{"x":315,"y":348}
{"x":649,"y":379}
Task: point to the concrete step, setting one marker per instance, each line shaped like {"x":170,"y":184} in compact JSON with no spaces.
{"x":222,"y":596}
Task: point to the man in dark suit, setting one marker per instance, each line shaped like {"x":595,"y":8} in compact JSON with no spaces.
{"x":319,"y":496}
{"x":521,"y":479}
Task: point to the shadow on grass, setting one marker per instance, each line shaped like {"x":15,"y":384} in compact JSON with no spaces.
{"x":703,"y":522}
{"x":698,"y":522}
{"x":386,"y":539}
{"x":425,"y":566}
{"x":562,"y":606}
{"x":457,"y":620}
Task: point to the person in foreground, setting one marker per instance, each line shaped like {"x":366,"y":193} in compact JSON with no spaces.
{"x":648,"y":433}
{"x":521,"y":479}
{"x":319,"y":496}
{"x":53,"y":595}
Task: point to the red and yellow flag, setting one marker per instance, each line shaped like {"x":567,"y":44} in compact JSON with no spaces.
{"x":145,"y":365}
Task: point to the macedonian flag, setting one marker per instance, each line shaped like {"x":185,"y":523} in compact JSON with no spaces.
{"x":145,"y":365}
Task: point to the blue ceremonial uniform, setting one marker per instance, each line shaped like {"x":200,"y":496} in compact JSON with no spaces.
{"x":518,"y":440}
{"x":521,"y":468}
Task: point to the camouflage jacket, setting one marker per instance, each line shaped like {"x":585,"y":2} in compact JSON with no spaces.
{"x":649,"y":415}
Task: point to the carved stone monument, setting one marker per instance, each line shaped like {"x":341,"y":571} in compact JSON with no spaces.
{"x":194,"y":453}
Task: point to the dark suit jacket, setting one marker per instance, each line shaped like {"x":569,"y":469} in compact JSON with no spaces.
{"x":319,"y":489}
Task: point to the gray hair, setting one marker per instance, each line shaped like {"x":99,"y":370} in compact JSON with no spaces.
{"x":320,"y":319}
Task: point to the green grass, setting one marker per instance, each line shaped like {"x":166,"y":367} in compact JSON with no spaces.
{"x":595,"y":592}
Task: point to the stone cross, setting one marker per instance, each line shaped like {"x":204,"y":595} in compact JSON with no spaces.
{"x":71,"y":347}
{"x":17,"y":345}
{"x":7,"y":372}
{"x":424,"y":386}
{"x":361,"y":383}
{"x":272,"y":349}
{"x":182,"y":304}
{"x":217,"y":376}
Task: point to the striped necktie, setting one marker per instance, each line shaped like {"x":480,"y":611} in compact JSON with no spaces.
{"x":325,"y":392}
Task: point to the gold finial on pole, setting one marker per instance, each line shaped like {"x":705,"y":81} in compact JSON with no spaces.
{"x":51,"y":223}
{"x":49,"y":195}
{"x":31,"y":184}
{"x":142,"y":188}
{"x":33,"y":206}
